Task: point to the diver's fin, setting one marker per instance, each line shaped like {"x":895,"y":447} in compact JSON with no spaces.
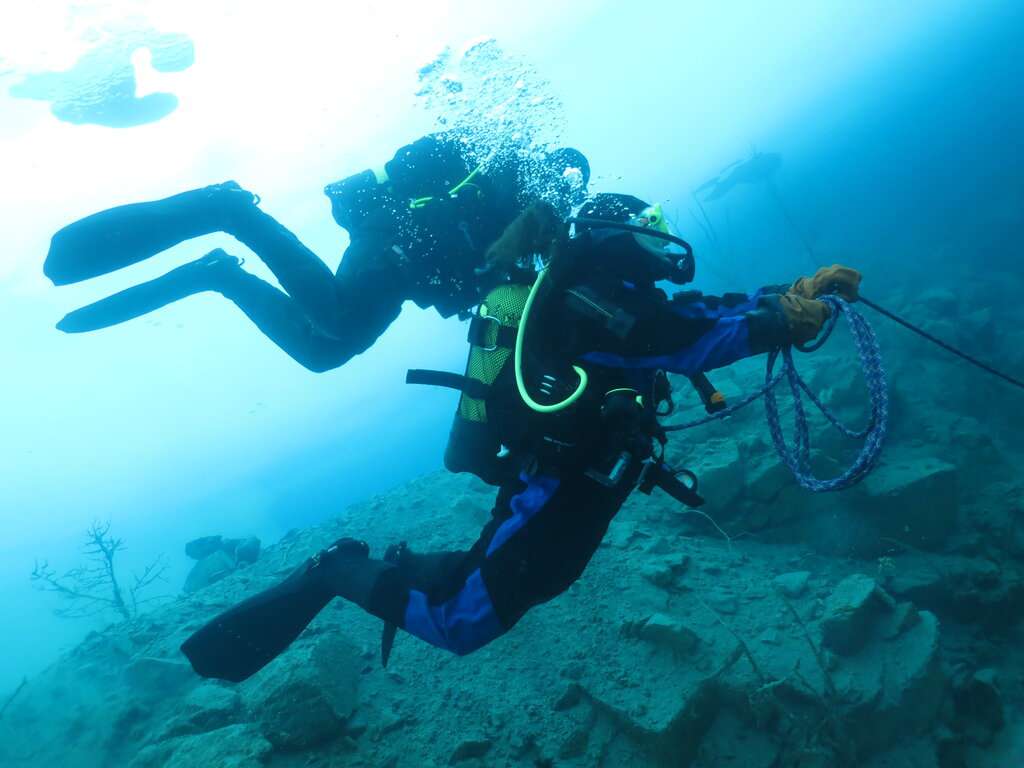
{"x":200,"y":275}
{"x":241,"y":641}
{"x":114,"y":238}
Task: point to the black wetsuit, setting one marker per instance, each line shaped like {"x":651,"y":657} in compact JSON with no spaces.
{"x":427,"y":254}
{"x":549,"y":522}
{"x":569,"y":472}
{"x":411,"y":238}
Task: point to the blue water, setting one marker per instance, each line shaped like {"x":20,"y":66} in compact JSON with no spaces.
{"x":898,"y":126}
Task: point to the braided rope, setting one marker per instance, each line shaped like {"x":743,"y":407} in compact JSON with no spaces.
{"x":797,"y":457}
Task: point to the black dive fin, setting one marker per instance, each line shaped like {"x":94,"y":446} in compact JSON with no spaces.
{"x":186,"y":280}
{"x":244,"y":639}
{"x":117,"y":237}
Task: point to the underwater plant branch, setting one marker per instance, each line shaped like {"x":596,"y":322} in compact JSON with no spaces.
{"x":151,"y":574}
{"x":47,"y":579}
{"x":832,"y":729}
{"x":94,"y":587}
{"x":103,"y":548}
{"x":830,"y":685}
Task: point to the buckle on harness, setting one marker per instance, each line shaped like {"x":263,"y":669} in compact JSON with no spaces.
{"x":497,"y":332}
{"x":614,"y":476}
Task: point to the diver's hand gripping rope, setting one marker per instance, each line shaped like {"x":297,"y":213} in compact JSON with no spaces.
{"x":521,"y":342}
{"x":797,"y":458}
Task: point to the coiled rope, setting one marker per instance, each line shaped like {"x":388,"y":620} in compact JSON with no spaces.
{"x":798,"y":456}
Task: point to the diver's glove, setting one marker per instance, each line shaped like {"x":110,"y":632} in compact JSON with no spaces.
{"x":804,"y":317}
{"x":538,"y":229}
{"x":837,"y":279}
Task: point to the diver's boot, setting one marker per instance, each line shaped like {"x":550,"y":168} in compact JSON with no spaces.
{"x":242,"y":640}
{"x":215,"y":271}
{"x":114,"y":238}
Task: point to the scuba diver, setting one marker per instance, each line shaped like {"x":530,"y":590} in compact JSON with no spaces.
{"x":419,"y":227}
{"x":560,"y":406}
{"x":759,"y":168}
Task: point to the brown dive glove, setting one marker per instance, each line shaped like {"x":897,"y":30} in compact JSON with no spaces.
{"x":535,"y":230}
{"x":804,"y":317}
{"x":835,"y":279}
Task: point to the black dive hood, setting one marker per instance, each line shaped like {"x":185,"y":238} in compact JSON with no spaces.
{"x":605,"y":222}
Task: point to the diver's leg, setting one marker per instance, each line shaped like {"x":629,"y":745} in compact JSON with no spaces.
{"x":205,"y":274}
{"x":300,"y":272}
{"x":539,"y":542}
{"x":124,"y":235}
{"x":284,"y":321}
{"x":114,"y":238}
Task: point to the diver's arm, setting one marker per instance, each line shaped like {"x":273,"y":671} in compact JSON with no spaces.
{"x":416,"y":167}
{"x":432,"y":162}
{"x":691,"y":342}
{"x":698,"y":305}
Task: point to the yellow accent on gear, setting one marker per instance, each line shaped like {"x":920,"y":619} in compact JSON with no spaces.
{"x":420,"y":202}
{"x":505,"y":304}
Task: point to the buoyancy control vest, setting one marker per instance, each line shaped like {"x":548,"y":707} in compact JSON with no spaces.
{"x":433,"y":210}
{"x":609,"y":425}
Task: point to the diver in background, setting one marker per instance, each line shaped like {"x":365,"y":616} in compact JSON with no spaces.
{"x":564,"y":378}
{"x":418,"y":227}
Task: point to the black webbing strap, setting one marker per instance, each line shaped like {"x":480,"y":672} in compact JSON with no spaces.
{"x":470,"y":387}
{"x":480,"y":327}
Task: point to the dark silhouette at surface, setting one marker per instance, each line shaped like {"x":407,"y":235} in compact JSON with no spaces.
{"x":100,"y":88}
{"x":419,"y":230}
{"x":759,"y":168}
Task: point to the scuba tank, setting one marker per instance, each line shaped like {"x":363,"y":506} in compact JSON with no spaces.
{"x":474,"y":444}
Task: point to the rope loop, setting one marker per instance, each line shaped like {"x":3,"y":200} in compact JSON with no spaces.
{"x":798,"y":456}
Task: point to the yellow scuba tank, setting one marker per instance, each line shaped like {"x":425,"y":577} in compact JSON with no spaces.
{"x":474,"y":443}
{"x":497,"y":319}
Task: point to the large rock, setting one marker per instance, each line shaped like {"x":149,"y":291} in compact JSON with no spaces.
{"x":236,"y":746}
{"x":851,"y":612}
{"x":979,"y":706}
{"x":204,"y":546}
{"x":722,"y":474}
{"x":668,"y":632}
{"x":305,"y":696}
{"x":247,"y":550}
{"x":209,"y":570}
{"x":911,"y":500}
{"x":893,"y":689}
{"x":792,"y":584}
{"x":969,"y":589}
{"x":206,"y":708}
{"x":158,"y":677}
